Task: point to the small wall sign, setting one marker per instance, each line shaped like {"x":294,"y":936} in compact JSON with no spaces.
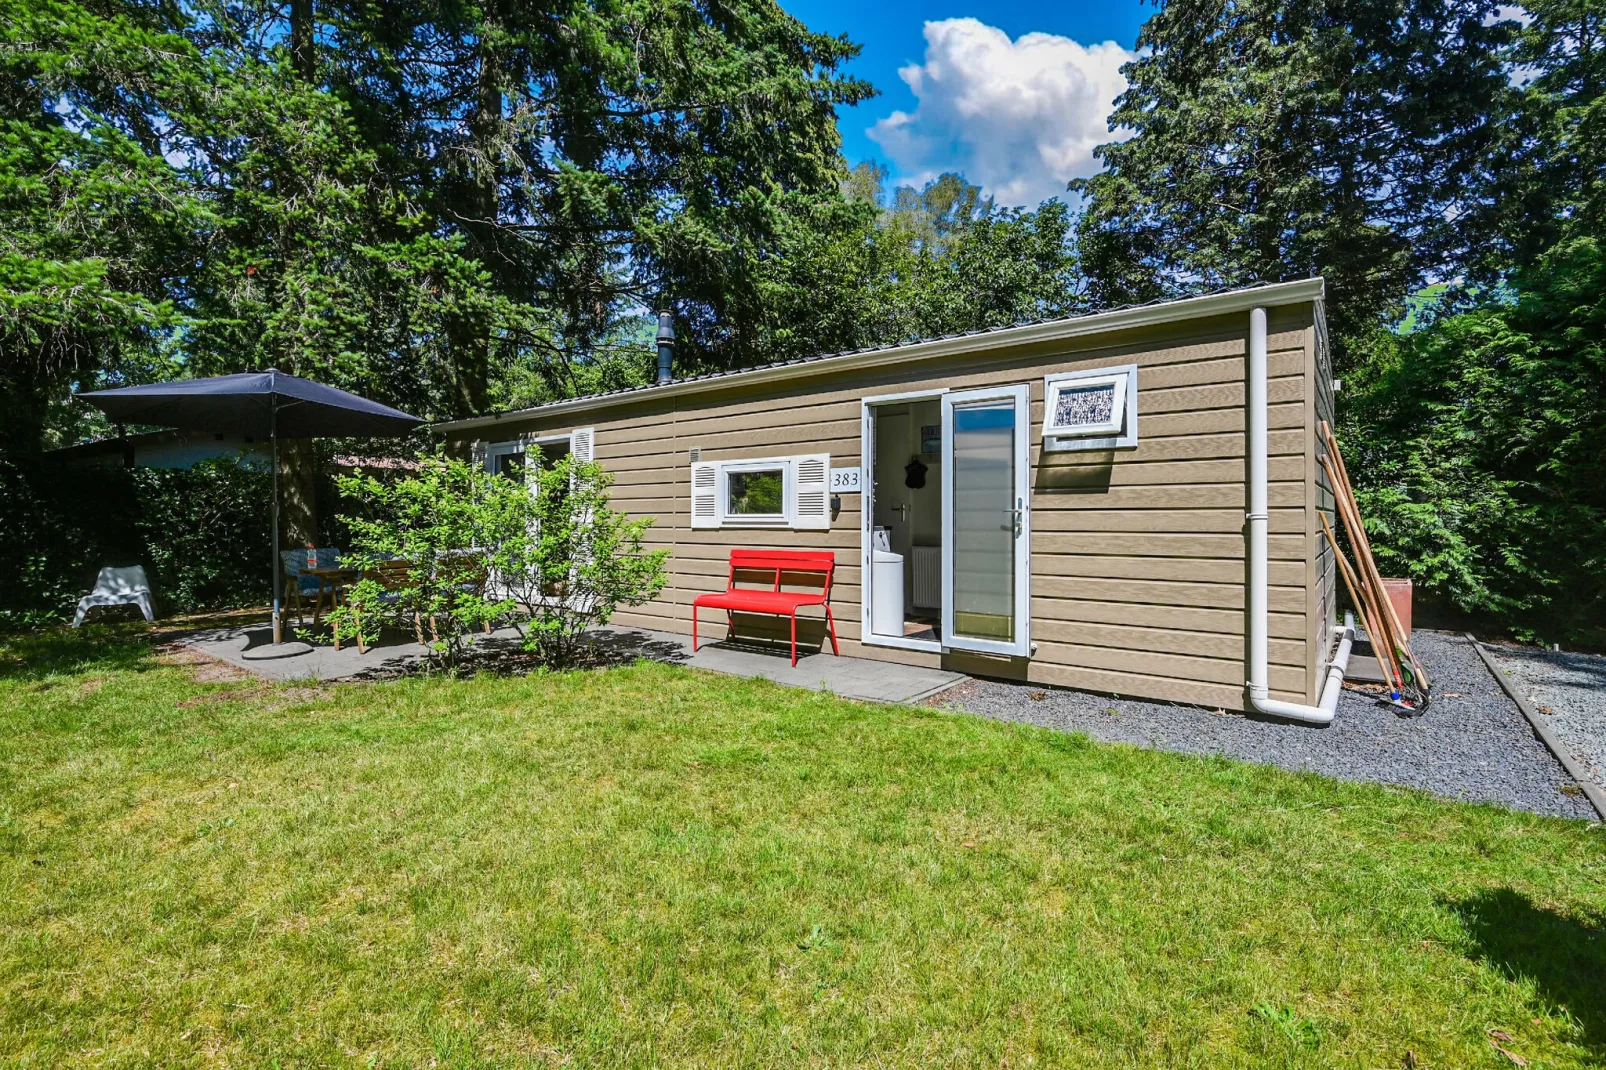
{"x":931,"y":438}
{"x":845,"y":480}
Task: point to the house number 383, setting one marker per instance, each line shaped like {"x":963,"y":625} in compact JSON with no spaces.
{"x":844,"y":481}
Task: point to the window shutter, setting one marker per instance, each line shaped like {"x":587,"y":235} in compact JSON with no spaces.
{"x":704,"y":495}
{"x":580,"y":443}
{"x":478,"y":455}
{"x":811,"y":478}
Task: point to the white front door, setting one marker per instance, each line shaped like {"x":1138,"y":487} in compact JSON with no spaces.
{"x":986,"y":521}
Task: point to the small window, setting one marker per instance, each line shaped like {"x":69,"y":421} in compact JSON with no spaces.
{"x":506,"y":459}
{"x":756,"y":493}
{"x":770,"y":492}
{"x":513,"y":459}
{"x":1091,"y":410}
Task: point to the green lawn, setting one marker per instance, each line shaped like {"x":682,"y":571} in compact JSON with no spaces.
{"x":653,"y":866}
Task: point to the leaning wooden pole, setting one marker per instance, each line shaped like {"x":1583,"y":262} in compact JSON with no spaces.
{"x":1401,"y":640}
{"x":1379,"y":627}
{"x":1366,"y":563}
{"x":1363,"y":606}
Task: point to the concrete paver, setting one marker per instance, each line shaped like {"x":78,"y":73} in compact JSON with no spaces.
{"x":251,"y":648}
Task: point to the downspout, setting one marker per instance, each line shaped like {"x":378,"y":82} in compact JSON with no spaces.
{"x":1257,"y":521}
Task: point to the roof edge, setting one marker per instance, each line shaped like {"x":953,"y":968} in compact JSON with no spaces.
{"x":1216,"y":304}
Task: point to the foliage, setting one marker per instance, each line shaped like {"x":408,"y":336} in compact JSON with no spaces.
{"x":439,"y":522}
{"x":876,"y":270}
{"x":567,"y":559}
{"x":438,"y":206}
{"x":1275,"y":140}
{"x":1549,"y":168}
{"x":200,"y":534}
{"x":83,"y":247}
{"x":604,"y":867}
{"x":598,"y":157}
{"x":547,"y":555}
{"x":1442,"y":166}
{"x":1483,"y":440}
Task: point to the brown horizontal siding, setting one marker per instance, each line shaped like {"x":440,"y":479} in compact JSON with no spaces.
{"x":1137,"y":557}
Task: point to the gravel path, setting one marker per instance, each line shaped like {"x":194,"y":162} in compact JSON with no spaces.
{"x":1569,"y":691}
{"x":1473,"y":743}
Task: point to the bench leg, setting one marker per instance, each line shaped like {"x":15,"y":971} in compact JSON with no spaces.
{"x":794,"y":638}
{"x":831,"y":622}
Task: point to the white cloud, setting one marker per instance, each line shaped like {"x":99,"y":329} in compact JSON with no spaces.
{"x":1019,"y":118}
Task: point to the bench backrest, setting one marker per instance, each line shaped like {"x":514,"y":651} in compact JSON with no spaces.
{"x":779,"y":563}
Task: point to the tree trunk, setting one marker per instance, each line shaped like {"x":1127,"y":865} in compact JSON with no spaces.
{"x":302,"y":52}
{"x":472,"y":333}
{"x":298,"y":491}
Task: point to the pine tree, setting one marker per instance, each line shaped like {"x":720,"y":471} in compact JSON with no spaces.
{"x":1274,"y":140}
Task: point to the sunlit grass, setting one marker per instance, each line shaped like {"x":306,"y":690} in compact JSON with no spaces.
{"x":653,"y":866}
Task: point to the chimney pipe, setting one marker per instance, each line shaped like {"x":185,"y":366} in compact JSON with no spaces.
{"x":666,"y":347}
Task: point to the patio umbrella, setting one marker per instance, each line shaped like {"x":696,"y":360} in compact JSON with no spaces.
{"x":267,"y":404}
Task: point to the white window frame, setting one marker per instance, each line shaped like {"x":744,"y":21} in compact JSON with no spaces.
{"x":494,"y":450}
{"x":524,"y":443}
{"x":788,"y":514}
{"x":794,"y":488}
{"x":1118,"y":434}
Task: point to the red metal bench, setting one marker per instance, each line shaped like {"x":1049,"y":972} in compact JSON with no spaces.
{"x":779,"y":563}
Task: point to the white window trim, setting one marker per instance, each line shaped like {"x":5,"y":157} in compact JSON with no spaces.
{"x":794,"y":489}
{"x":783,"y":519}
{"x":495,"y":450}
{"x":523,"y":444}
{"x":1103,"y":437}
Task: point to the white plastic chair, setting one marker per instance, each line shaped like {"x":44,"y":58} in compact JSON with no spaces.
{"x":118,"y":587}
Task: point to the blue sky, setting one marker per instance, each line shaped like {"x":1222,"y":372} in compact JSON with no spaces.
{"x":1013,"y":94}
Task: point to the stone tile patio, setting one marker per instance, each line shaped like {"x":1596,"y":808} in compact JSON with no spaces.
{"x":250,"y":647}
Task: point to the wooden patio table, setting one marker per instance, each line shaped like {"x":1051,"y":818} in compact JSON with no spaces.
{"x":334,"y":579}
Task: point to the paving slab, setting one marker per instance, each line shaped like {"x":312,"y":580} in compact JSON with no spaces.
{"x":861,"y":678}
{"x":250,"y":647}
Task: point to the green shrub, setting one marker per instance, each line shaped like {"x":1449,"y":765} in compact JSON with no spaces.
{"x":569,"y":560}
{"x":547,"y":555}
{"x":201,"y":534}
{"x":438,"y":522}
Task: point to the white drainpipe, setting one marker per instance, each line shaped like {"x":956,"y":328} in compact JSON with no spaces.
{"x":1258,"y":519}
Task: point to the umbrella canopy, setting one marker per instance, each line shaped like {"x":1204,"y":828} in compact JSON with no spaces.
{"x":253,"y":403}
{"x":267,"y":404}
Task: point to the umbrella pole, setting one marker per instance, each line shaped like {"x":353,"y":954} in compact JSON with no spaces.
{"x":273,"y":512}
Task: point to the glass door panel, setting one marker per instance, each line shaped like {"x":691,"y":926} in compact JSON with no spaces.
{"x":985,"y":525}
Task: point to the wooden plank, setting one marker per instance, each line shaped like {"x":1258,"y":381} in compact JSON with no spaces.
{"x":1228,"y":622}
{"x":1164,"y":593}
{"x":1163,"y":544}
{"x":1135,"y":685}
{"x":1221,"y":645}
{"x":1285,"y":625}
{"x":1184,"y":496}
{"x":1191,"y":569}
{"x":1073,"y":469}
{"x":1217,"y":421}
{"x":1202,"y":521}
{"x":1227,"y":671}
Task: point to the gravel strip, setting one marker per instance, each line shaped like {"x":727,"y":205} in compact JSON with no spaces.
{"x":1472,"y":744}
{"x":1569,"y":691}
